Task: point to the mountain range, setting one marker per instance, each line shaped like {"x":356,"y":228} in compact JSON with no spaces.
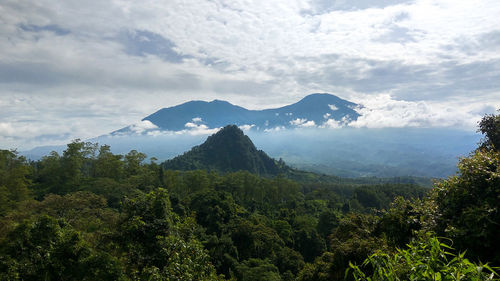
{"x":346,"y":152}
{"x":312,"y":110}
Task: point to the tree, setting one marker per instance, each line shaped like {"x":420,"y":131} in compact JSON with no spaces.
{"x":148,"y":217}
{"x":328,"y":220}
{"x":133,"y":161}
{"x":14,"y":180}
{"x":254,"y":240}
{"x":489,"y":126}
{"x":323,"y":269}
{"x":158,"y":245}
{"x":109,"y":165}
{"x":468,"y":205}
{"x":289,"y":260}
{"x":48,"y":175}
{"x":352,"y":241}
{"x":184,"y":261}
{"x":213,"y":209}
{"x":404,"y":218}
{"x":50,"y":249}
{"x":257,"y":269}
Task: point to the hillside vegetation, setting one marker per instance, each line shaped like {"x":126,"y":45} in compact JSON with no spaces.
{"x":89,"y":214}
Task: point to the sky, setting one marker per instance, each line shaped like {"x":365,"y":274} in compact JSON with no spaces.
{"x":78,"y":69}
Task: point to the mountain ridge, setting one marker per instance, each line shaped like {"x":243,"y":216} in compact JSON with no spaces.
{"x":318,"y":109}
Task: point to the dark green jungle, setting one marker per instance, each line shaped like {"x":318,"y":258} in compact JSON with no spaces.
{"x":227,"y":211}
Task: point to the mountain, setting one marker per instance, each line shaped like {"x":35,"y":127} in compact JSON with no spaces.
{"x":312,"y":110}
{"x":346,"y":152}
{"x":229,"y":150}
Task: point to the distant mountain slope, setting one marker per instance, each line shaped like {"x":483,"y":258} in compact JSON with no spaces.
{"x":228,"y":150}
{"x":314,"y":109}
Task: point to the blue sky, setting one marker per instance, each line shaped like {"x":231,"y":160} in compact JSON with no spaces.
{"x":73,"y":69}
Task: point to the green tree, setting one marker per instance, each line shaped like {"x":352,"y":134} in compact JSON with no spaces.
{"x":158,"y":245}
{"x":109,"y":165}
{"x":328,"y":220}
{"x":147,"y":218}
{"x":184,"y":261}
{"x":14,"y":181}
{"x":48,"y":175}
{"x":214,"y":209}
{"x":257,"y":269}
{"x":404,"y":219}
{"x":76,"y":164}
{"x":490,"y":128}
{"x":468,"y":205}
{"x":352,"y":241}
{"x":133,"y":161}
{"x":323,"y":269}
{"x":50,"y":249}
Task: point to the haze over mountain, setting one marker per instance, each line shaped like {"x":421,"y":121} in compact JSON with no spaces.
{"x":322,"y":110}
{"x":312,"y":134}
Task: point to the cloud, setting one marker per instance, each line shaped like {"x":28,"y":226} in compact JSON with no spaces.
{"x":302,"y":122}
{"x":197,"y":129}
{"x":51,"y":27}
{"x":113,"y":62}
{"x":331,"y":124}
{"x":332,"y":107}
{"x":246,"y":127}
{"x":143,"y":43}
{"x":275,"y":129}
{"x":383,"y":111}
{"x":142,"y":126}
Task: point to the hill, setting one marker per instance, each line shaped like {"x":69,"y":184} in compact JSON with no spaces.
{"x":228,"y":150}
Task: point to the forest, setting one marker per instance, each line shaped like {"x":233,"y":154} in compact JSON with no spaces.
{"x":89,"y":214}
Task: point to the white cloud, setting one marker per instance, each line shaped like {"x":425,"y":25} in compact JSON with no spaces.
{"x":142,"y":126}
{"x":331,"y":124}
{"x":326,"y":115}
{"x":246,"y":127}
{"x":302,"y":122}
{"x":275,"y":129}
{"x":197,"y":120}
{"x":298,"y":121}
{"x":191,"y":125}
{"x":332,"y":107}
{"x":384,"y":111}
{"x":68,"y":61}
{"x":197,"y":129}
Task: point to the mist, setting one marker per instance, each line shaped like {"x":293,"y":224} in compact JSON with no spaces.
{"x":346,"y":152}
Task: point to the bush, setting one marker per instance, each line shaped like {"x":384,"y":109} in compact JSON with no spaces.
{"x":427,"y":258}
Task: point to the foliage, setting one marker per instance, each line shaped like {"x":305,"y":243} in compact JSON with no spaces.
{"x":14,"y":180}
{"x":490,"y":127}
{"x":89,"y":214}
{"x":469,"y":206}
{"x":405,"y":218}
{"x":257,"y":269}
{"x":51,"y":249}
{"x":427,"y":258}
